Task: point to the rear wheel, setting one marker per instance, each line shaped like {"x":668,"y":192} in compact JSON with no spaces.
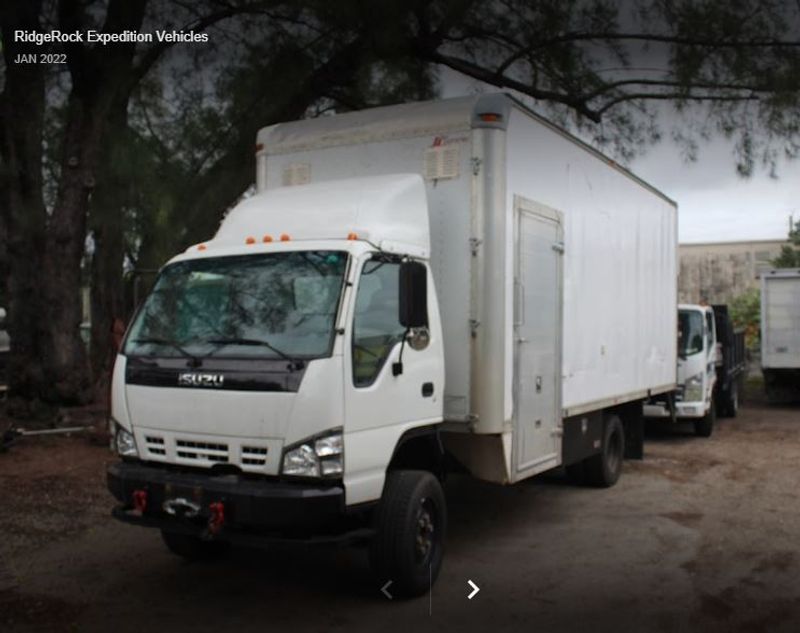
{"x":704,"y":427}
{"x":731,"y":404}
{"x":603,"y":470}
{"x":193,"y":547}
{"x":410,"y":524}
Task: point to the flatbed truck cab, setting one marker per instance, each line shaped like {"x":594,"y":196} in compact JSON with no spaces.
{"x":694,"y":399}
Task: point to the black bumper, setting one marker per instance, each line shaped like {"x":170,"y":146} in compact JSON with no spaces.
{"x":253,"y":507}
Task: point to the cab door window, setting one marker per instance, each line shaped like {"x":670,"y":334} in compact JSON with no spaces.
{"x":376,"y":326}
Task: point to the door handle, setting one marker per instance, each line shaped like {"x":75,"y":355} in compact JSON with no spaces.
{"x":427,"y":389}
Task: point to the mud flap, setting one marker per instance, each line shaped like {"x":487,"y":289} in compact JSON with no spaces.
{"x":633,"y":425}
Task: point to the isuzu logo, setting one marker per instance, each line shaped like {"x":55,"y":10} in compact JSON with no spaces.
{"x":194,"y":379}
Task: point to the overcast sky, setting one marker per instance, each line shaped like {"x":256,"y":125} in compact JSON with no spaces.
{"x":714,"y":203}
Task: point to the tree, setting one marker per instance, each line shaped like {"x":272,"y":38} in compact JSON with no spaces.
{"x":746,"y":313}
{"x":597,"y":67}
{"x":790,"y":253}
{"x":45,"y":247}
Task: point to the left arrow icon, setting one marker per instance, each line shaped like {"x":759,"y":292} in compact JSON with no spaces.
{"x":385,"y":590}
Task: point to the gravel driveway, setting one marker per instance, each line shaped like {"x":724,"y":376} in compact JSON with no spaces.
{"x":702,"y":535}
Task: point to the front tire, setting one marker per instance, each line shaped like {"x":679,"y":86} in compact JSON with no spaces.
{"x":410,"y":525}
{"x":704,"y":427}
{"x":603,"y":470}
{"x":193,"y":548}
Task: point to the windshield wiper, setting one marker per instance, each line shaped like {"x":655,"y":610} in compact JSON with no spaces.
{"x":196,"y":362}
{"x":295,"y":363}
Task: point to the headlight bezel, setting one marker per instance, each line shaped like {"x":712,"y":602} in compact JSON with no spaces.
{"x":694,"y":387}
{"x":327,"y":449}
{"x":123,"y":441}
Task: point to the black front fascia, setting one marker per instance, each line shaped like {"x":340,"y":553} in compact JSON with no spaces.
{"x":232,"y":374}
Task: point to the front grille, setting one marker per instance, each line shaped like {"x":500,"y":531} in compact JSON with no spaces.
{"x":206,"y":451}
{"x":155,"y":445}
{"x":254,"y":455}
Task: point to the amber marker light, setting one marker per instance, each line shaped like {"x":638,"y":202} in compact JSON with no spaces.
{"x":250,"y":240}
{"x":202,"y":247}
{"x":352,"y":236}
{"x":285,"y":237}
{"x":266,"y":239}
{"x":490,"y":117}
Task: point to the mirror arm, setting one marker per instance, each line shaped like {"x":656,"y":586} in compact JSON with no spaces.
{"x":397,"y":367}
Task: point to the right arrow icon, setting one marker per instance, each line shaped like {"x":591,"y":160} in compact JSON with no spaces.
{"x":475,"y":590}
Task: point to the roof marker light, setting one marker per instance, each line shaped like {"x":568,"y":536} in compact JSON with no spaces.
{"x":201,"y":247}
{"x":352,"y":236}
{"x":285,"y":237}
{"x":250,"y":240}
{"x":490,"y":117}
{"x":259,"y":146}
{"x":266,"y":239}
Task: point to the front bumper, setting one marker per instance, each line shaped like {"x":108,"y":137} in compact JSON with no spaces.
{"x":683,"y":410}
{"x":253,"y":507}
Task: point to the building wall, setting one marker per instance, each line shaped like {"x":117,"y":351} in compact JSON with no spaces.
{"x":718,"y":272}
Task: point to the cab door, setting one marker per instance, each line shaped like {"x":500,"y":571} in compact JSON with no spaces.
{"x":383,"y":400}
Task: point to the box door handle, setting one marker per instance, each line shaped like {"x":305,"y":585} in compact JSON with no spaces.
{"x":427,"y":389}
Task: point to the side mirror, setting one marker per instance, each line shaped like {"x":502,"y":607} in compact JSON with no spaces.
{"x":413,"y":295}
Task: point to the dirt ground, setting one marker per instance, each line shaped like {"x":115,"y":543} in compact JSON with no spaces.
{"x":700,"y":536}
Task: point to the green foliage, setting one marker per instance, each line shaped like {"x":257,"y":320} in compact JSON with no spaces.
{"x":745,"y":311}
{"x":790,"y":253}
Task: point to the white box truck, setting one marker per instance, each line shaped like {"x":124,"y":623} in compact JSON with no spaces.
{"x":780,"y":334}
{"x":412,"y":289}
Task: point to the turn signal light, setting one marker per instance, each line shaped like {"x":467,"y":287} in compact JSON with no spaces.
{"x":490,"y":117}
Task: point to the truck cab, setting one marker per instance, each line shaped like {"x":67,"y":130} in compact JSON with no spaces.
{"x":698,"y":353}
{"x":275,"y":371}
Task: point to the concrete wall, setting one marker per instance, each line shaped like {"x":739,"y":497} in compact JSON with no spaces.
{"x":718,"y":272}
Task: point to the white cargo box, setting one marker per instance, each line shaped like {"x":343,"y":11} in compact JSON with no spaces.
{"x":780,"y":319}
{"x":521,"y":213}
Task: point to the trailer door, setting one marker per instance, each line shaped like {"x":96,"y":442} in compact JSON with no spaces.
{"x":537,"y":338}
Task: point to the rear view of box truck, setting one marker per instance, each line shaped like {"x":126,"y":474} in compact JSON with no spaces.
{"x":455,"y":284}
{"x":780,"y":334}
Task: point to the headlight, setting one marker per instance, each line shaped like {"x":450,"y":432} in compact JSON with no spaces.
{"x":694,"y":388}
{"x":124,"y":442}
{"x":315,"y":457}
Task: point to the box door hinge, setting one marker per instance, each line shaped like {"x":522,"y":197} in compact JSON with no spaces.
{"x":474,"y":324}
{"x":558,"y":247}
{"x":474,"y":243}
{"x":476,"y":165}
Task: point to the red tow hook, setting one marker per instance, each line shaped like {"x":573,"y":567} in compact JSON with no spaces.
{"x":217,"y":518}
{"x":140,"y":500}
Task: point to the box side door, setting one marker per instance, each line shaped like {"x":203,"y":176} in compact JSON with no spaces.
{"x":537,"y":338}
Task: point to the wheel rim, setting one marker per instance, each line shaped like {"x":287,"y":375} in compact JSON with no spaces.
{"x":425,"y":530}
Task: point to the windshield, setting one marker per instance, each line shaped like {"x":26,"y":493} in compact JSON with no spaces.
{"x":690,"y":332}
{"x":277,"y":305}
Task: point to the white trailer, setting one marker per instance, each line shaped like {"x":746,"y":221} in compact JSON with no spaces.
{"x":780,"y":333}
{"x":536,"y":283}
